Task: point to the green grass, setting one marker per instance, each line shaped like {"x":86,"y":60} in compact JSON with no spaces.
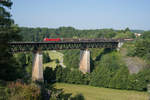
{"x":50,"y":64}
{"x":96,"y":93}
{"x":54,"y":55}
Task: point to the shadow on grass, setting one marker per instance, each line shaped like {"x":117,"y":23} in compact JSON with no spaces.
{"x":58,"y":94}
{"x":78,"y":97}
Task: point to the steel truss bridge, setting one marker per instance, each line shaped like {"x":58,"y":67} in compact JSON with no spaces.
{"x":83,"y":44}
{"x":62,"y":45}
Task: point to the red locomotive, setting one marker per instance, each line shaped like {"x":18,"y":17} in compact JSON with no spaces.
{"x":54,"y":39}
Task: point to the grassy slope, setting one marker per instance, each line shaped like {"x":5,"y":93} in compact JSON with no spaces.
{"x":96,"y":93}
{"x":54,"y":55}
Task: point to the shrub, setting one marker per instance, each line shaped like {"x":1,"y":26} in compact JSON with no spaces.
{"x":46,"y":58}
{"x":21,"y":91}
{"x":49,"y":75}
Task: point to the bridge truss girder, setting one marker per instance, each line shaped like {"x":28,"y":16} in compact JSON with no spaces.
{"x":32,"y":46}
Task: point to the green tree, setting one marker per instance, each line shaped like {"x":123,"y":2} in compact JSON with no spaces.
{"x":142,"y":49}
{"x":142,"y":79}
{"x":127,"y":30}
{"x":46,"y":58}
{"x":120,"y":80}
{"x":9,"y":69}
{"x":71,"y":58}
{"x":49,"y":75}
{"x":22,"y":59}
{"x":146,"y":35}
{"x":105,"y":69}
{"x":59,"y":72}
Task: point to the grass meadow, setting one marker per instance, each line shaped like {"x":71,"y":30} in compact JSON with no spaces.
{"x":96,"y":93}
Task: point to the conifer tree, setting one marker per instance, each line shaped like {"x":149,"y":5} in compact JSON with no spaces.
{"x":8,"y":33}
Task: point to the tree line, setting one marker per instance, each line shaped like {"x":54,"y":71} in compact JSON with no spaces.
{"x":38,"y":34}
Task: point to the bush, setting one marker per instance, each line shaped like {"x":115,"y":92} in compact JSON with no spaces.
{"x":73,"y":76}
{"x":46,"y":58}
{"x":49,"y":75}
{"x":21,"y":91}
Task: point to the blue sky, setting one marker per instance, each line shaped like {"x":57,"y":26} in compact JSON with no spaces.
{"x":82,"y":14}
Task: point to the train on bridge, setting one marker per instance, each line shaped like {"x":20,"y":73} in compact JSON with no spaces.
{"x":82,"y":39}
{"x":55,"y":40}
{"x":75,"y":39}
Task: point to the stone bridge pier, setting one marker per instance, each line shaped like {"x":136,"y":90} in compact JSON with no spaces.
{"x":37,"y":66}
{"x":84,"y":65}
{"x":120,"y":44}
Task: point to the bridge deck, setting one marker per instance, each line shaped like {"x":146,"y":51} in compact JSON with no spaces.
{"x":65,"y":44}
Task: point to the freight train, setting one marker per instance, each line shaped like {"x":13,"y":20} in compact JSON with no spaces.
{"x":61,"y":39}
{"x":74,"y":39}
{"x":55,"y":40}
{"x":83,"y":39}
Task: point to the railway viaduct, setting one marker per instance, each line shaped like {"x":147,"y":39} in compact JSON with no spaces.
{"x":83,"y":45}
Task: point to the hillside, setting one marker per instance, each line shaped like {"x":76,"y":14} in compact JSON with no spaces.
{"x":54,"y":55}
{"x":96,"y":93}
{"x":134,"y":64}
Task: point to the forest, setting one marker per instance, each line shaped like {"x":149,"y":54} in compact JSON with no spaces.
{"x":38,"y":34}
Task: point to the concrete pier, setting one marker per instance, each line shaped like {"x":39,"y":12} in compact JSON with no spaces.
{"x":37,"y":67}
{"x":84,"y":65}
{"x":120,"y":44}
